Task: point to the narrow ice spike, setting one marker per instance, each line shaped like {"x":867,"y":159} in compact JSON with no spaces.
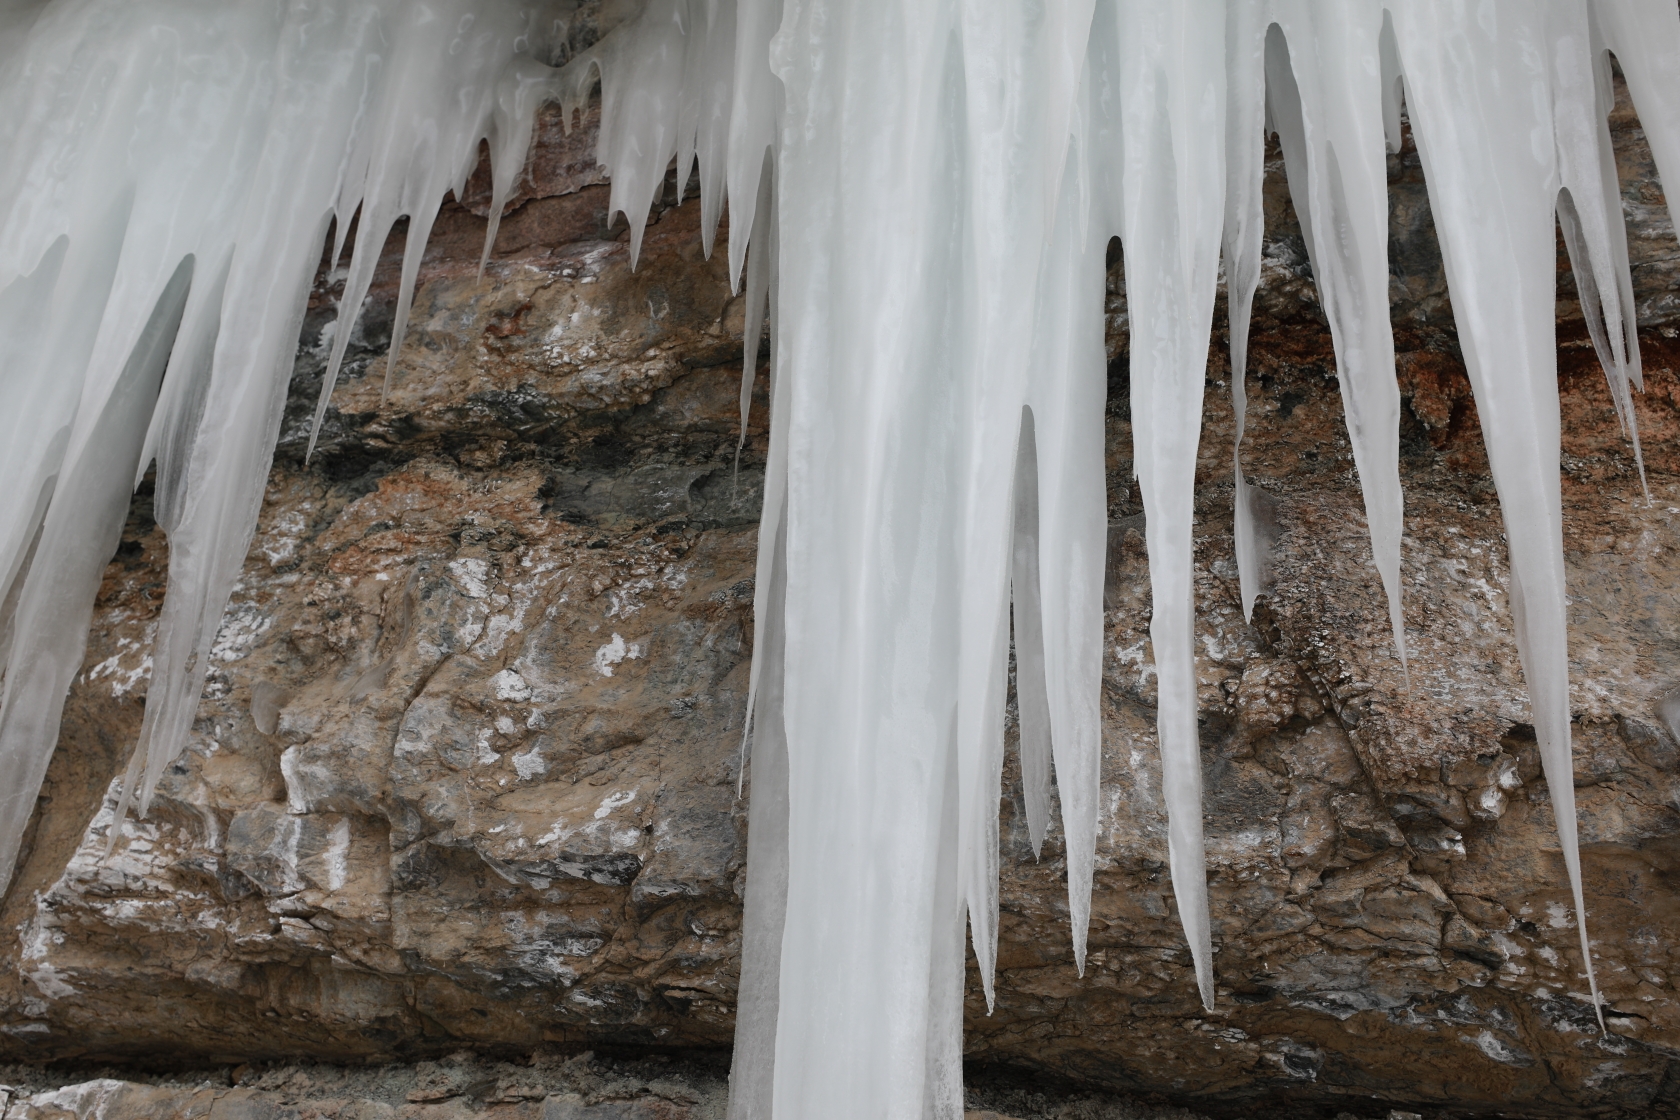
{"x":1590,"y":214}
{"x":757,"y":299}
{"x":753,"y":1067}
{"x":1329,"y":109}
{"x":1644,"y":35}
{"x":180,"y":405}
{"x":522,"y":90}
{"x":1245,"y":170}
{"x":1067,"y":393}
{"x":1393,"y":85}
{"x":1494,"y":202}
{"x":1018,"y":91}
{"x":79,"y":533}
{"x":755,"y":122}
{"x":1616,"y":371}
{"x":1172,"y":104}
{"x":414,"y":249}
{"x":1028,"y":628}
{"x":775,"y":475}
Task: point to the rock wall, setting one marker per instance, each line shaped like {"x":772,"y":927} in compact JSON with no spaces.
{"x":465,"y":772}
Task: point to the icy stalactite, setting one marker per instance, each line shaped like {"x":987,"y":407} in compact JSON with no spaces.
{"x":1324,"y":71}
{"x":873,"y":525}
{"x":142,"y":135}
{"x":1170,"y":66}
{"x":1066,"y":392}
{"x":1027,"y":631}
{"x":1246,"y":127}
{"x":79,"y":531}
{"x":1017,"y":135}
{"x":1494,"y":177}
{"x":920,"y":197}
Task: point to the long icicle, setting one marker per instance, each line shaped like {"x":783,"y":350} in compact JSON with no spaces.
{"x":1333,"y":56}
{"x":1493,"y":205}
{"x":1245,"y":218}
{"x":1172,"y":90}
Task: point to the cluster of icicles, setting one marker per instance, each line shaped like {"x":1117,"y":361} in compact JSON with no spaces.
{"x":928,"y":189}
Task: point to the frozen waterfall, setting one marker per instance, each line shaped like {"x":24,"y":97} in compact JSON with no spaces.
{"x":920,"y":194}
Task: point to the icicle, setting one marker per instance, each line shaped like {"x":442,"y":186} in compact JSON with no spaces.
{"x":1612,"y":357}
{"x":755,"y":122}
{"x":1172,"y":102}
{"x":419,"y":140}
{"x":1020,"y":80}
{"x":226,"y":138}
{"x":1644,"y":35}
{"x":522,"y":90}
{"x":78,"y":535}
{"x":1067,"y":392}
{"x":870,"y":994}
{"x":1393,"y":85}
{"x":1589,"y":211}
{"x":1245,"y":170}
{"x":641,"y":68}
{"x":936,"y":436}
{"x":1028,"y":614}
{"x":1493,"y":197}
{"x":759,"y":269}
{"x":1324,"y":69}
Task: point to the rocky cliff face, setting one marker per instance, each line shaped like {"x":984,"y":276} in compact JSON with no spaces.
{"x":465,"y":771}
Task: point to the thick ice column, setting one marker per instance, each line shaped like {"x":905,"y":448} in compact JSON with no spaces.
{"x":1172,"y":103}
{"x":1488,"y":156}
{"x":753,"y":1066}
{"x":869,"y":292}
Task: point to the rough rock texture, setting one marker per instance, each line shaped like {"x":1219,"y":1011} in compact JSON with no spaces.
{"x":464,"y":775}
{"x":548,"y":1086}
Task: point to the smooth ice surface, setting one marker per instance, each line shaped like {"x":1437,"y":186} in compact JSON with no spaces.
{"x":921,"y":195}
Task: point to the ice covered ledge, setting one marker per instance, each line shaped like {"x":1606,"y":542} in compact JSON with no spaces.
{"x":465,"y":774}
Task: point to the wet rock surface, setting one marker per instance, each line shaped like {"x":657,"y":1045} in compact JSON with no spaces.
{"x":464,"y":776}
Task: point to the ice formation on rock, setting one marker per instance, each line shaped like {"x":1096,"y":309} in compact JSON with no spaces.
{"x":921,"y":195}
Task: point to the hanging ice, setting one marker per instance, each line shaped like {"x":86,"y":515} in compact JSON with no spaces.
{"x":921,"y":195}
{"x":170,"y":171}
